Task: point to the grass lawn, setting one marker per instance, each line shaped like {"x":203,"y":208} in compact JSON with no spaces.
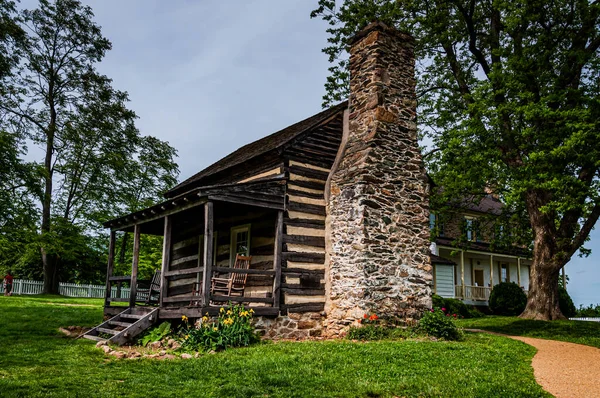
{"x":37,"y":361}
{"x":579,"y":332}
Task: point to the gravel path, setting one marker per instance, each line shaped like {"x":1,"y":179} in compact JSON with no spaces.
{"x":565,"y":369}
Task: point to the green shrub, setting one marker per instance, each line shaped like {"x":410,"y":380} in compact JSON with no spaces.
{"x":590,"y":311}
{"x":370,"y":332}
{"x":156,"y":334}
{"x":565,"y":303}
{"x":438,"y":324}
{"x":454,"y":306}
{"x":508,"y":299}
{"x":232,"y":328}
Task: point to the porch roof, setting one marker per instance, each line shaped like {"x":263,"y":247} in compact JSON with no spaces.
{"x":266,"y":193}
{"x":440,"y":260}
{"x":482,"y":247}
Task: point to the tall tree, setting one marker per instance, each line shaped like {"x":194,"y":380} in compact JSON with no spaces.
{"x":58,"y":99}
{"x":509,"y":95}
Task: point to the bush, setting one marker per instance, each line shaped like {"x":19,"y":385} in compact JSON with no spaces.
{"x":590,"y":311}
{"x":565,"y":303}
{"x":454,"y":306}
{"x":438,"y":324}
{"x":507,"y":299}
{"x":232,"y":328}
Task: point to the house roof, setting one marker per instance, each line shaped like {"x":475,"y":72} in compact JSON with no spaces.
{"x":482,"y":246}
{"x":440,"y":260}
{"x":257,"y":148}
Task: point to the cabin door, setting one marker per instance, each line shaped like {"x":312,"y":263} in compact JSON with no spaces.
{"x":478,"y":277}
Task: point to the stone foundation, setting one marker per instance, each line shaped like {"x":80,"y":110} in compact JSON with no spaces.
{"x":377,"y":223}
{"x":292,"y":326}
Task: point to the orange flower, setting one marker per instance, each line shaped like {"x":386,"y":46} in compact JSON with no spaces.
{"x":373,"y":317}
{"x":366,"y":316}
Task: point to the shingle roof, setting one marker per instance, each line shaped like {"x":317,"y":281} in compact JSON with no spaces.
{"x":260,"y":147}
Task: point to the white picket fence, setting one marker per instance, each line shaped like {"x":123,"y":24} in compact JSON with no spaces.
{"x":23,"y":286}
{"x":586,"y":319}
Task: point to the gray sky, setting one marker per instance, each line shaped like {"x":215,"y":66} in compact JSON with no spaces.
{"x":209,"y":76}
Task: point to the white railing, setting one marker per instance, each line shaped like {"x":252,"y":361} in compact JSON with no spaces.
{"x":597,"y":319}
{"x":472,"y":292}
{"x":23,"y":286}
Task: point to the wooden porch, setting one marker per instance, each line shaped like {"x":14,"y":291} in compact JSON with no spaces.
{"x":198,"y":244}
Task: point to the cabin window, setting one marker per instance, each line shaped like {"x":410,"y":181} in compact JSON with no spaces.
{"x":472,"y":229}
{"x":240,"y":241}
{"x":436,"y":225}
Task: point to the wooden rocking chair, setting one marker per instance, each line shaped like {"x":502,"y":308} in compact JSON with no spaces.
{"x":150,"y":291}
{"x":236,"y":282}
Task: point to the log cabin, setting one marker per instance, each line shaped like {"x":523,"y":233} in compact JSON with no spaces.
{"x":333,"y":210}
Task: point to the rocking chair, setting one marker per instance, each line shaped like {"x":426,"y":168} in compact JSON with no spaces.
{"x":236,"y":282}
{"x":150,"y":291}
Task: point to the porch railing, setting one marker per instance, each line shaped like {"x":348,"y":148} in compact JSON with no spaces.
{"x":467,"y":292}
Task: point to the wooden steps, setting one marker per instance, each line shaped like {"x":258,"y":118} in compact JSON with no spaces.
{"x":123,"y":327}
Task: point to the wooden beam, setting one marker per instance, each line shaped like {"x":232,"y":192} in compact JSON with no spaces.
{"x":304,"y":307}
{"x":519,"y":271}
{"x":268,"y":272}
{"x":125,"y":278}
{"x":315,"y":241}
{"x":110,"y":266}
{"x":307,"y":208}
{"x":166,"y":258}
{"x":247,"y":202}
{"x":185,"y":271}
{"x":315,"y":258}
{"x":241,"y":299}
{"x":492,"y":271}
{"x":134,"y":265}
{"x":209,"y":226}
{"x":277,"y":259}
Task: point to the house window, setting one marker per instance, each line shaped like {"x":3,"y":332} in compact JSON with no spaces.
{"x":436,"y":225}
{"x":240,"y":241}
{"x":504,"y":273}
{"x":472,"y":229}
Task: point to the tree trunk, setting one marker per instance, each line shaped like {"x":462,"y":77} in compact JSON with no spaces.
{"x":51,"y":282}
{"x":49,"y":261}
{"x":542,"y":301}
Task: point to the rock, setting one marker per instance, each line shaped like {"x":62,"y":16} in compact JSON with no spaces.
{"x":151,"y":356}
{"x":101,"y":343}
{"x":106,"y":349}
{"x":170,"y":343}
{"x":155,"y":345}
{"x":197,"y":355}
{"x":212,"y":352}
{"x":169,"y":356}
{"x":186,"y":356}
{"x":175,"y":345}
{"x":133,"y":354}
{"x":163,"y":352}
{"x":118,"y":354}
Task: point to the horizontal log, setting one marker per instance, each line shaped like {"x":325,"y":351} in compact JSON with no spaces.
{"x":247,"y":202}
{"x":193,"y":241}
{"x":244,"y":271}
{"x":182,"y":289}
{"x":182,"y":299}
{"x":301,"y":286}
{"x":184,"y":260}
{"x":309,"y":184}
{"x":304,"y":292}
{"x":197,"y":312}
{"x":309,"y":173}
{"x":239,"y":299}
{"x":304,"y":194}
{"x":325,"y":143}
{"x":315,"y":241}
{"x":306,"y":208}
{"x":314,"y":160}
{"x":307,"y":307}
{"x":314,"y":258}
{"x":302,"y":271}
{"x":307,"y":151}
{"x":186,"y":271}
{"x":304,"y":223}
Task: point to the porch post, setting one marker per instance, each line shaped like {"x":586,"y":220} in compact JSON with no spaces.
{"x":208,"y":251}
{"x":491,"y":271}
{"x":166,"y":259}
{"x":519,"y":271}
{"x":110,"y":266}
{"x":277,"y":259}
{"x":134,"y":265}
{"x":462,"y":273}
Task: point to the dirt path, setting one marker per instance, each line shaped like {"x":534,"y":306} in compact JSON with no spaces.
{"x":565,"y":369}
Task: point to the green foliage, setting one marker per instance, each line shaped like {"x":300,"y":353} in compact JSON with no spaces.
{"x":96,"y":164}
{"x":482,"y":365}
{"x":454,"y":306}
{"x":566,"y":303}
{"x":591,"y":311}
{"x":232,"y":328}
{"x":373,"y":332}
{"x":509,"y":100}
{"x":438,"y":324}
{"x":156,"y":334}
{"x":507,"y":299}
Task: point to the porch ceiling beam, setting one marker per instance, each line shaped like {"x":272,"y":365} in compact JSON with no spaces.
{"x":483,"y":253}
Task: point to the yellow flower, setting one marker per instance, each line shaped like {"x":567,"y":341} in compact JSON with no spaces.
{"x":204,"y":319}
{"x":244,"y":313}
{"x":184,"y":318}
{"x":229,"y":312}
{"x":206,"y":314}
{"x":251,"y":311}
{"x":187,"y":336}
{"x":215,"y":329}
{"x":222,"y":310}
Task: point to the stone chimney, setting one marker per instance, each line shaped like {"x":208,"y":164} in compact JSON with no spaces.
{"x":378,"y":208}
